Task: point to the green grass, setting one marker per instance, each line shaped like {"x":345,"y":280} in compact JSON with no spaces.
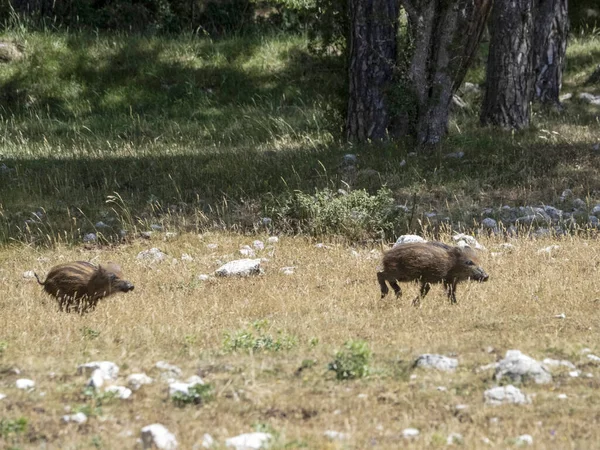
{"x":192,"y":133}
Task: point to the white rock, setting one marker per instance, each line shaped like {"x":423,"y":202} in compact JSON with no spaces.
{"x":410,"y":433}
{"x":454,"y":438}
{"x":29,"y":274}
{"x":408,"y":238}
{"x":273,"y":240}
{"x":505,"y":394}
{"x":248,"y":441}
{"x":101,"y":225}
{"x":187,"y":258}
{"x":157,"y":436}
{"x":549,"y":362}
{"x":121,"y":391}
{"x":562,"y":396}
{"x":442,"y":388}
{"x":247,"y":251}
{"x":25,"y":383}
{"x":136,"y":380}
{"x":90,"y":237}
{"x":109,"y":369}
{"x":168,"y":370}
{"x":508,"y":247}
{"x":287,"y":270}
{"x":574,"y":373}
{"x":240,"y":268}
{"x":524,"y":439}
{"x":321,"y":245}
{"x":593,"y":357}
{"x":585,"y":351}
{"x":548,"y":250}
{"x":203,"y":277}
{"x":76,"y":418}
{"x":179,"y":387}
{"x":96,"y":380}
{"x":2,"y":396}
{"x":336,"y":435}
{"x":439,"y":362}
{"x":560,"y":316}
{"x":464,"y":240}
{"x":519,"y":367}
{"x":489,"y":223}
{"x":207,"y":441}
{"x":212,"y":246}
{"x":152,"y":255}
{"x":258,"y":245}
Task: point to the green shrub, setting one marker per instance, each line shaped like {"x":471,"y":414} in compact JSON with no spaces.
{"x":352,"y":362}
{"x":256,"y":339}
{"x":197,"y":394}
{"x":355,"y":215}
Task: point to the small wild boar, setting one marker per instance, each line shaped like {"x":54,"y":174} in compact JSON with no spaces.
{"x":81,"y":284}
{"x":428,"y":263}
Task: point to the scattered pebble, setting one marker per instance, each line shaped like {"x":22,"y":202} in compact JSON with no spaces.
{"x":152,"y":255}
{"x":240,"y":268}
{"x":157,"y":436}
{"x":454,"y":438}
{"x":248,"y":441}
{"x":505,"y":394}
{"x":120,"y":391}
{"x":76,"y":418}
{"x":136,"y":380}
{"x":439,"y":362}
{"x":29,"y":274}
{"x":25,"y":384}
{"x":336,"y":435}
{"x":409,"y":433}
{"x":273,"y":240}
{"x":524,"y":439}
{"x":562,"y":396}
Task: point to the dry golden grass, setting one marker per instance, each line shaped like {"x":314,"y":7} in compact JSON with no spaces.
{"x":332,"y":297}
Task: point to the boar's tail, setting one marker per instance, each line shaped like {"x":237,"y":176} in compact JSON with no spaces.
{"x":38,"y":279}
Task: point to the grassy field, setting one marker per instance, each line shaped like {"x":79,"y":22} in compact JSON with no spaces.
{"x":194,"y":134}
{"x":283,"y":385}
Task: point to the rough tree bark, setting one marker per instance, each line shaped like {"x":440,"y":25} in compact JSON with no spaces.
{"x":509,"y":78}
{"x":445,"y":35}
{"x":373,"y":29}
{"x":551,"y":27}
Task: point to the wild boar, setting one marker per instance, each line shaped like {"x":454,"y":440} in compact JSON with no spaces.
{"x":81,"y":284}
{"x":428,"y":263}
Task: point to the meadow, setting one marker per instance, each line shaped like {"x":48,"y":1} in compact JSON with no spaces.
{"x":199,"y":140}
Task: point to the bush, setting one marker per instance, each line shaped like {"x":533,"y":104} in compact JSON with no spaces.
{"x":198,"y":394}
{"x":352,"y":362}
{"x":257,"y":339}
{"x":355,"y":215}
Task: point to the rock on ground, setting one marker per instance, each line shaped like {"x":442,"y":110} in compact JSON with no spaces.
{"x":464,"y":240}
{"x":335,"y":435}
{"x":439,"y":362}
{"x":152,"y":255}
{"x":75,"y":418}
{"x":120,"y":391}
{"x":109,"y":369}
{"x":248,"y":441}
{"x":240,"y":268}
{"x":409,"y":433}
{"x":524,"y":439}
{"x":408,"y":238}
{"x":137,"y":380}
{"x":519,"y":367}
{"x":505,"y":394}
{"x":157,"y":436}
{"x":25,"y":383}
{"x":168,"y":370}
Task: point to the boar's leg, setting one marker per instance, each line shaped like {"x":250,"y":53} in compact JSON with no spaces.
{"x":396,"y":288}
{"x":424,"y":290}
{"x":451,"y":289}
{"x":382,"y":284}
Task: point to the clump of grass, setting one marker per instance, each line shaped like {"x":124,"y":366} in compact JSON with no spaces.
{"x":198,"y":394}
{"x":256,"y":339}
{"x":352,"y":361}
{"x":13,"y":427}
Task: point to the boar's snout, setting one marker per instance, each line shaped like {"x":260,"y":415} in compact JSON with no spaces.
{"x":480,"y":275}
{"x":127,"y":286}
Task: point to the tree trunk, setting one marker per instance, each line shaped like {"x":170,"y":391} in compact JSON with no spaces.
{"x":551,"y":28}
{"x":446,"y":35}
{"x":373,"y":29}
{"x":509,"y":79}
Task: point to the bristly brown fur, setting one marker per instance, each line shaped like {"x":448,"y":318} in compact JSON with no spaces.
{"x":429,"y":263}
{"x":81,"y":284}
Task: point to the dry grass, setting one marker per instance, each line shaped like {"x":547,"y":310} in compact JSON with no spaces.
{"x":332,"y":297}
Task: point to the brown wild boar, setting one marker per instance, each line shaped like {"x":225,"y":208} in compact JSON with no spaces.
{"x":81,"y":284}
{"x":428,"y":263}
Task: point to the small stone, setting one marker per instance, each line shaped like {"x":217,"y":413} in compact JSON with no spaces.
{"x":548,"y":362}
{"x":410,"y":433}
{"x":258,"y":245}
{"x":240,"y":268}
{"x":207,"y":441}
{"x":179,"y":387}
{"x":273,"y":240}
{"x":25,"y":384}
{"x":76,"y":418}
{"x":524,"y":440}
{"x":168,"y":370}
{"x":456,"y":155}
{"x":249,"y":441}
{"x":120,"y":391}
{"x":463,"y":240}
{"x":2,"y":396}
{"x":454,"y":438}
{"x":152,"y":255}
{"x":336,"y":435}
{"x":593,"y":358}
{"x":187,"y":258}
{"x":408,"y":238}
{"x":565,"y":97}
{"x":402,"y":163}
{"x":203,"y":277}
{"x":109,"y":370}
{"x":170,"y":235}
{"x":212,"y":246}
{"x":96,"y":381}
{"x":562,"y":396}
{"x":574,"y":373}
{"x":146,"y":234}
{"x":136,"y":380}
{"x":157,"y":436}
{"x":560,"y":316}
{"x":156,"y":227}
{"x":266,"y":221}
{"x":579,"y":204}
{"x":519,"y":367}
{"x":90,"y":237}
{"x":489,"y":223}
{"x":548,"y":250}
{"x":349,"y":159}
{"x":321,"y":245}
{"x":505,"y":394}
{"x":100,"y":225}
{"x":29,"y":274}
{"x":247,"y":251}
{"x":439,"y":362}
